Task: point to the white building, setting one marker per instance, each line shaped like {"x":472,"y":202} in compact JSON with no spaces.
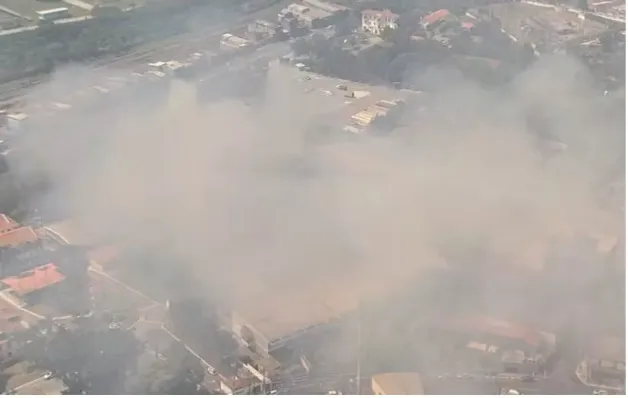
{"x":231,"y":42}
{"x":375,"y":21}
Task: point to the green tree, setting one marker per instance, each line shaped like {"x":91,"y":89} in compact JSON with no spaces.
{"x":388,"y":34}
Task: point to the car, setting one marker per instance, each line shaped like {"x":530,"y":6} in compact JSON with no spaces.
{"x":212,"y":371}
{"x":48,"y":375}
{"x":342,"y":87}
{"x":114,"y":325}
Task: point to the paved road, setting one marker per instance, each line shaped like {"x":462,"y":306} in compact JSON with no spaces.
{"x":173,"y":47}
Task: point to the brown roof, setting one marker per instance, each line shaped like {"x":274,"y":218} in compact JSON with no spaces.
{"x":7,"y":223}
{"x":490,"y":326}
{"x":18,"y":236}
{"x":35,"y":279}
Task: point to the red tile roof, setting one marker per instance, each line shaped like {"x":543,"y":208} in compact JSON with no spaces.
{"x":18,"y":236}
{"x":435,"y":17}
{"x":490,"y":326}
{"x":7,"y":223}
{"x":35,"y":279}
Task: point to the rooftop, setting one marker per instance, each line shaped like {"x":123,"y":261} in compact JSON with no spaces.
{"x":435,"y":17}
{"x":308,"y":13}
{"x":33,"y":280}
{"x":490,"y":326}
{"x":382,"y":13}
{"x":18,"y":236}
{"x":398,"y":383}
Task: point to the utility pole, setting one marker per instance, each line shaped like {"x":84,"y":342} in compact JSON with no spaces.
{"x":358,"y":373}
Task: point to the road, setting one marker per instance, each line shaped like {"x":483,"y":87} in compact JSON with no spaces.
{"x":176,"y":46}
{"x":98,"y":270}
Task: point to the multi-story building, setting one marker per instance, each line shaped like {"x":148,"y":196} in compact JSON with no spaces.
{"x":376,"y":21}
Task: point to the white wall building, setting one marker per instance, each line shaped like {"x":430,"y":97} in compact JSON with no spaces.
{"x":375,"y":21}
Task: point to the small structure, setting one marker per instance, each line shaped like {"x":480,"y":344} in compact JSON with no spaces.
{"x":231,"y":42}
{"x":376,"y":21}
{"x":397,"y":384}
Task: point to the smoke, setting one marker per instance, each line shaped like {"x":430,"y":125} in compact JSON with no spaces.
{"x":247,"y":203}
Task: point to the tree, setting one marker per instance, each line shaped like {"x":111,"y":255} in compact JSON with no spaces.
{"x":388,"y":34}
{"x":300,"y":47}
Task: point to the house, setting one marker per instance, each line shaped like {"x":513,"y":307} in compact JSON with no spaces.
{"x":376,"y":21}
{"x":432,"y":19}
{"x":33,"y":280}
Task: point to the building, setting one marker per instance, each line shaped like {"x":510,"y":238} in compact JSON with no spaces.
{"x":18,"y":236}
{"x":310,"y":17}
{"x":432,"y":20}
{"x":376,"y":21}
{"x":491,"y":345}
{"x":604,"y":366}
{"x":230,"y":42}
{"x":373,"y":116}
{"x":397,"y":384}
{"x":34,"y":280}
{"x":262,"y":29}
